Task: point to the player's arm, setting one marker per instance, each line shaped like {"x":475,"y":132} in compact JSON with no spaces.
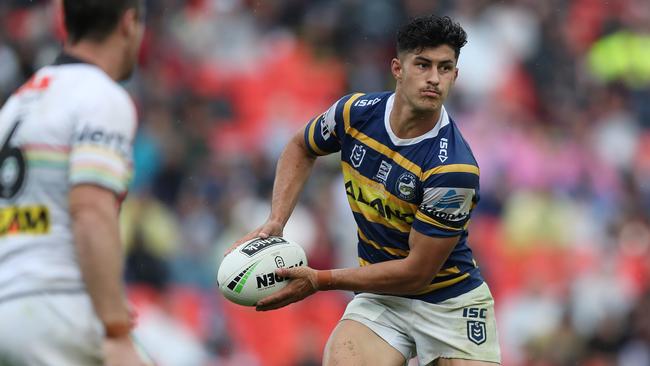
{"x":94,"y":213}
{"x":292,"y":171}
{"x":99,"y":173}
{"x":319,"y":137}
{"x":407,"y":276}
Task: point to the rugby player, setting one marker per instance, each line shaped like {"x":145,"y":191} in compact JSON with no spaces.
{"x":412,"y":183}
{"x":65,"y":164}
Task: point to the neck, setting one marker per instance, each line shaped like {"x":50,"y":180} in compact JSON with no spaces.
{"x":102,"y":55}
{"x":407,"y":122}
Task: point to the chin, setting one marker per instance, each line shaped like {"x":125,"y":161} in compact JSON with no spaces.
{"x":427,"y":107}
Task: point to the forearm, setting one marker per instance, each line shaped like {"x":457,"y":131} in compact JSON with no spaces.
{"x":99,"y":253}
{"x":397,"y":277}
{"x":293,"y":170}
{"x":406,"y":276}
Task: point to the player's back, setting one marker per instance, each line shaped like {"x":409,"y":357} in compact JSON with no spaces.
{"x":70,"y":124}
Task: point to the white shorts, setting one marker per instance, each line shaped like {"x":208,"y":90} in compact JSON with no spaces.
{"x":462,"y":327}
{"x":50,"y":329}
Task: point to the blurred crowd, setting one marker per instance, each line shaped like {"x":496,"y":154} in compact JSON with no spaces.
{"x":553,"y":96}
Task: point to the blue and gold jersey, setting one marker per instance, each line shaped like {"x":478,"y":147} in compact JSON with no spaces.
{"x":429,"y":183}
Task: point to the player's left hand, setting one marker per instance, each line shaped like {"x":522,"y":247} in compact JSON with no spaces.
{"x":303,"y":283}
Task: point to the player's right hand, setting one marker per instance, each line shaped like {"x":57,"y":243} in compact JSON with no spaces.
{"x":121,"y":352}
{"x":269,"y":228}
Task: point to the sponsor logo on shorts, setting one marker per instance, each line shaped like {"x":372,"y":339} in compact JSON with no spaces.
{"x":258,"y":245}
{"x":476,"y":330}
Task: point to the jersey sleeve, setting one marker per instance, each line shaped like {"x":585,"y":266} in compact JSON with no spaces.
{"x":323,"y":134}
{"x":447,"y":203}
{"x":102,"y":144}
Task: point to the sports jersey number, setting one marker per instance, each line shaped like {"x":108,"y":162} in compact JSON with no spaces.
{"x":12,"y":167}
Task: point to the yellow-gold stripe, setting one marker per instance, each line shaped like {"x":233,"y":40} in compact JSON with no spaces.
{"x":371,"y":215}
{"x":346,"y":110}
{"x":378,"y":146}
{"x":439,"y":285}
{"x":312,"y":142}
{"x":351,"y":174}
{"x":393,"y":251}
{"x":422,"y":217}
{"x":448,"y":271}
{"x":363,"y":262}
{"x":451,"y":168}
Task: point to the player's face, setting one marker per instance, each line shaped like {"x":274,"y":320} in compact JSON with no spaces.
{"x":425,"y":78}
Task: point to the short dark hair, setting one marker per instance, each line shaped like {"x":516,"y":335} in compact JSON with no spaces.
{"x":95,"y":19}
{"x":430,"y":31}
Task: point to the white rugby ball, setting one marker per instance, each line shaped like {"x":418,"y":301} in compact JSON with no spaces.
{"x":247,"y":274}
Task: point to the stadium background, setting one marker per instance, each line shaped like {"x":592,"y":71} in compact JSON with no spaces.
{"x":553,"y":96}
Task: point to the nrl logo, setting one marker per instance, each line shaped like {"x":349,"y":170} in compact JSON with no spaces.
{"x":358,"y":152}
{"x":476,"y":332}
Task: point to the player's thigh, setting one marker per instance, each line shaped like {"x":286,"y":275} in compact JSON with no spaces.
{"x":353,"y":343}
{"x":460,"y":362}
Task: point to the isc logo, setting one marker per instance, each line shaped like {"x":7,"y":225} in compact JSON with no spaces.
{"x":474,"y":313}
{"x":366,"y":102}
{"x":442,"y":154}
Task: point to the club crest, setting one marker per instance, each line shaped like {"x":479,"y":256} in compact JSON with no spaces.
{"x":406,"y":186}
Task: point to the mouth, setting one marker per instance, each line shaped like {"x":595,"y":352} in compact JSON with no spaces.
{"x":431,"y":93}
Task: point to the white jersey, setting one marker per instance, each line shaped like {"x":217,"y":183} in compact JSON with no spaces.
{"x":70,"y":124}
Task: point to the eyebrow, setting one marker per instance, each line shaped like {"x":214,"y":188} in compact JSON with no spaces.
{"x":426,"y":59}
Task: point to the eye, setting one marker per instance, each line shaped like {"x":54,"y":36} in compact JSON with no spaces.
{"x":446,"y":68}
{"x":421,"y":66}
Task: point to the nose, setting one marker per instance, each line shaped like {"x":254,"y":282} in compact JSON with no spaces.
{"x":434,"y":77}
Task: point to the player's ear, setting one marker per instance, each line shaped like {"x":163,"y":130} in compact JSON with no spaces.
{"x":455,"y":74}
{"x":129,"y":23}
{"x":396,"y":68}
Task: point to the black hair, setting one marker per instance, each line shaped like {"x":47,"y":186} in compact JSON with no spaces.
{"x":430,"y":31}
{"x":95,"y":19}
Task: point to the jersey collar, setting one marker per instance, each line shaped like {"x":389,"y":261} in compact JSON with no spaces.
{"x":66,"y":59}
{"x":442,"y":122}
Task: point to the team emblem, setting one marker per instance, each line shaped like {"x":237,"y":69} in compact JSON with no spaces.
{"x":358,"y":152}
{"x":406,"y":186}
{"x":476,"y":332}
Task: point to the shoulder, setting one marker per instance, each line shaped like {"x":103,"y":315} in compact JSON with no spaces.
{"x":356,"y":106}
{"x":99,"y":96}
{"x":91,"y":86}
{"x":451,"y":160}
